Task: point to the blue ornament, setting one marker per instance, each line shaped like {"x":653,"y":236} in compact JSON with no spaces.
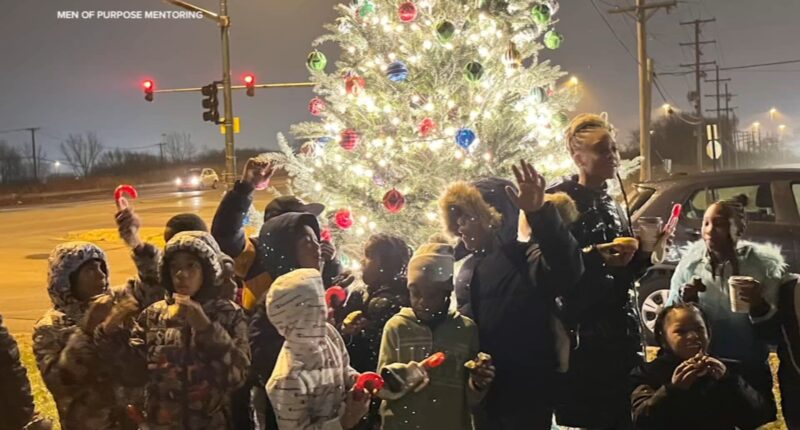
{"x":465,"y":137}
{"x":324,"y":139}
{"x":397,"y":72}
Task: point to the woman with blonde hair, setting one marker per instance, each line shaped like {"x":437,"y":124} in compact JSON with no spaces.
{"x":598,"y":313}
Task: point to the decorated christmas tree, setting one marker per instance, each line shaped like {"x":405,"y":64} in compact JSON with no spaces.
{"x":425,"y":93}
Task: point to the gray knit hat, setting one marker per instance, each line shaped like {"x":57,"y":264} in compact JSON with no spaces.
{"x":432,"y":263}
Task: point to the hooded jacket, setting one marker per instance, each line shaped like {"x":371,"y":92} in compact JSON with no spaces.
{"x":277,"y":251}
{"x":82,"y":382}
{"x":724,"y":404}
{"x":509,"y":288}
{"x":444,"y":404}
{"x":17,"y":407}
{"x":312,"y":376}
{"x":189,"y":374}
{"x":251,"y":265}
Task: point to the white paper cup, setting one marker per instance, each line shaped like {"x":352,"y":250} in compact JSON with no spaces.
{"x":734,"y":283}
{"x":649,"y":229}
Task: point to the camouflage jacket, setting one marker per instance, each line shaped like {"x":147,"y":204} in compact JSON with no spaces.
{"x":189,"y":375}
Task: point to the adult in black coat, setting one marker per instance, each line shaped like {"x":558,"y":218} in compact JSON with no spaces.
{"x":508,"y":287}
{"x":16,"y":409}
{"x":598,"y":313}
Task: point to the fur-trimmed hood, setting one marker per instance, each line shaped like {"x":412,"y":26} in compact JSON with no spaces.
{"x":767,"y":254}
{"x":485,"y":199}
{"x":64,"y":260}
{"x":216,"y":265}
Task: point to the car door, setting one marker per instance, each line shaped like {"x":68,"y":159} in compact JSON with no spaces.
{"x":757,"y":197}
{"x":208,"y":177}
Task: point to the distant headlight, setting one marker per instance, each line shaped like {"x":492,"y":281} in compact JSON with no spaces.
{"x":194,"y":181}
{"x":178,"y":181}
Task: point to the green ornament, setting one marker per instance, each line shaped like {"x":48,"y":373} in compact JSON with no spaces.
{"x":445,"y":30}
{"x":539,"y":94}
{"x":316,"y":61}
{"x":473,"y":71}
{"x":367,"y":8}
{"x":541,"y":14}
{"x":560,"y":120}
{"x":553,"y":39}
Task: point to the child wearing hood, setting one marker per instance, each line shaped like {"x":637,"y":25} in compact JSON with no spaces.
{"x":312,"y":386}
{"x":442,"y":401}
{"x":82,"y":381}
{"x":685,"y":387}
{"x":193,"y":345}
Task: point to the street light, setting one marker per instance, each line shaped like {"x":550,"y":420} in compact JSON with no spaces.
{"x":756,"y":125}
{"x":772,"y":113}
{"x":667,"y":109}
{"x":574,"y":81}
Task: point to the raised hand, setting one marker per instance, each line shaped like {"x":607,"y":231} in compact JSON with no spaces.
{"x":531,"y":184}
{"x":257,"y":172}
{"x":128,"y":225}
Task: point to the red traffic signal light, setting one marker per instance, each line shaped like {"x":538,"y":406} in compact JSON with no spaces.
{"x":250,"y":81}
{"x":148,"y":86}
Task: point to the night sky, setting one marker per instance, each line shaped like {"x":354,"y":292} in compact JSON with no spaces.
{"x":71,"y":76}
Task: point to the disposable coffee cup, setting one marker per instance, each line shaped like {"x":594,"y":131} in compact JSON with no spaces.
{"x":734,"y":284}
{"x":649,"y":229}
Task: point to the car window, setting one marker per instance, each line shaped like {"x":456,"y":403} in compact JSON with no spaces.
{"x":193,"y":172}
{"x":639,"y":197}
{"x":755,"y":199}
{"x":796,"y":192}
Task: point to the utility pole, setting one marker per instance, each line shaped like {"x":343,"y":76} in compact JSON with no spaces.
{"x":641,"y":12}
{"x":718,"y":110}
{"x":34,"y":157}
{"x":697,"y":75}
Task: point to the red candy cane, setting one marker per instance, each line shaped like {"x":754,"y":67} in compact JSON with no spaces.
{"x":124,"y":189}
{"x":434,"y":360}
{"x":335,"y":292}
{"x":325,"y":235}
{"x":370,"y":381}
{"x":673,"y":218}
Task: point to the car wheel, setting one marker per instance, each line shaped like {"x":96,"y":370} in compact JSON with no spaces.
{"x":653,"y":293}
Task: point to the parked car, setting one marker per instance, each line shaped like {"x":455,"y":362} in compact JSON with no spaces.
{"x":772,"y":211}
{"x":197,"y":179}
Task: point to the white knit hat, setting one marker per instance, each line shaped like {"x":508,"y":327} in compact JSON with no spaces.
{"x":432,"y":263}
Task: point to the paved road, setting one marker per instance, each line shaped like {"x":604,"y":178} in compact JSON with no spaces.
{"x":28,"y":234}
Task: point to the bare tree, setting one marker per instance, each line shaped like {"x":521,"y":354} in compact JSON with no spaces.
{"x":82,"y":152}
{"x":11,"y":169}
{"x":41,"y":156}
{"x":179,"y":147}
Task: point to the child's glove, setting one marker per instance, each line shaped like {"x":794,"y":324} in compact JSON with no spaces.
{"x":354,"y":323}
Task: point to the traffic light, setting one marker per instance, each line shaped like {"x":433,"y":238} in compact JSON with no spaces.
{"x":148,"y":86}
{"x":250,"y":81}
{"x":211,"y":103}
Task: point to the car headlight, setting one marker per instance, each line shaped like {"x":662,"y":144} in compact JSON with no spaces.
{"x":178,"y":181}
{"x":195,"y":180}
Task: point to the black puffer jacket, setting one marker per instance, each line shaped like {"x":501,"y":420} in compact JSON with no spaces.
{"x":599,"y":315}
{"x":723,"y":404}
{"x":509,"y":290}
{"x":17,"y":408}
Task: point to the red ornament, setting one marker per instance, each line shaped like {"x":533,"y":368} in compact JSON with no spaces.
{"x":316,"y":106}
{"x":407,"y":11}
{"x":394,"y":201}
{"x":349,"y":139}
{"x":344,"y":219}
{"x":353,"y":84}
{"x":326,"y":235}
{"x":426,"y":127}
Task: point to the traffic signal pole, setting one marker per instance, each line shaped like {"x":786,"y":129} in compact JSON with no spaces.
{"x":230,"y":155}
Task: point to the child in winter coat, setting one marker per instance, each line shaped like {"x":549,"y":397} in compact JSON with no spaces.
{"x":383,"y":271}
{"x":312,"y":384}
{"x":428,"y":327}
{"x":685,"y":387}
{"x":702,"y":277}
{"x":193,"y":345}
{"x":83,"y":382}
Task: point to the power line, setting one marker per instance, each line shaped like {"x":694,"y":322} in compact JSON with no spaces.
{"x":747,"y":66}
{"x":614,"y":32}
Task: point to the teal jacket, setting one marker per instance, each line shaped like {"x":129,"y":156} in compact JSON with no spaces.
{"x":734,"y":336}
